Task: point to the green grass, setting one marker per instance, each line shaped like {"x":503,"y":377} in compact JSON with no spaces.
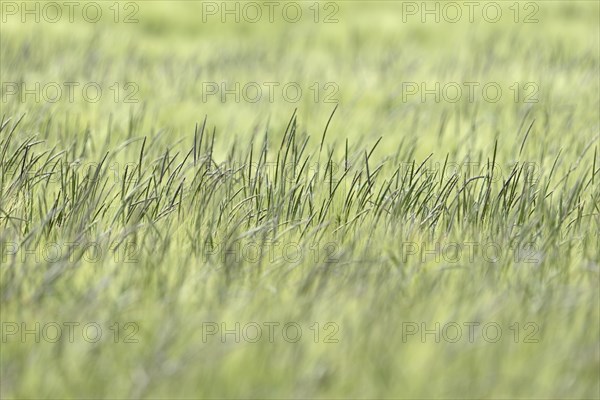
{"x":358,"y":221}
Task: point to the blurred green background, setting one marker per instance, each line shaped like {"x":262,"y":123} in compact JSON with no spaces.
{"x":176,"y":48}
{"x":166,"y":57}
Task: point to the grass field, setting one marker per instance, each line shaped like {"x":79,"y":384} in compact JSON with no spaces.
{"x":369,"y":202}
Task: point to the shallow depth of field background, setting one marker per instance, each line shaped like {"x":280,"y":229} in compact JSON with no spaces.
{"x":375,"y":257}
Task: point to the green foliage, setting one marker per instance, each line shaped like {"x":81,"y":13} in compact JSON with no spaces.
{"x":374,"y":215}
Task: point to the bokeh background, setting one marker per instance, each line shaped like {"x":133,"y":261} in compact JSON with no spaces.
{"x":154,"y":61}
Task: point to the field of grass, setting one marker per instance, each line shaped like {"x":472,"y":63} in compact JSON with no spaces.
{"x":409,"y":209}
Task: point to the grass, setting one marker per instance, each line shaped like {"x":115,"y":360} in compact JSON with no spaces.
{"x":382,"y":248}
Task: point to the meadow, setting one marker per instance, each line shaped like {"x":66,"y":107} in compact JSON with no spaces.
{"x":351,"y":199}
